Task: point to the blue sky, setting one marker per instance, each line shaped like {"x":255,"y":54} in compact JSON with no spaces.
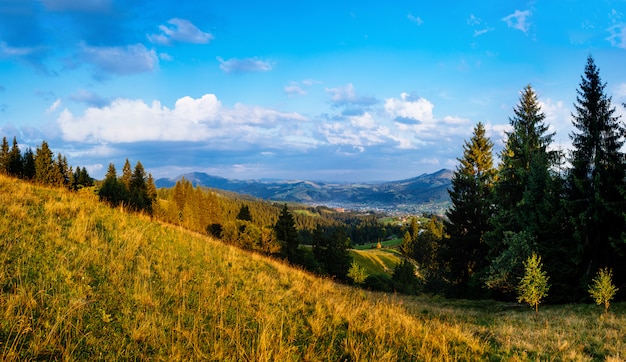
{"x":324,"y":90}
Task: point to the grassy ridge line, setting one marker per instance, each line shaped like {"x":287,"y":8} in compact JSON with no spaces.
{"x":79,"y":281}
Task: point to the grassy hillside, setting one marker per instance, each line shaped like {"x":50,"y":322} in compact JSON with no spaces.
{"x":377,"y":261}
{"x":80,"y":281}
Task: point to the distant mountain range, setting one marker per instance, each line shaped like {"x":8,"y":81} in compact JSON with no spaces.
{"x":427,"y":192}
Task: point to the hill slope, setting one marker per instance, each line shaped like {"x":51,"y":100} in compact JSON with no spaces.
{"x":81,"y":281}
{"x":427,"y":189}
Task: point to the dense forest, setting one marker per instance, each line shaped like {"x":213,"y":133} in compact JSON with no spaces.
{"x":566,"y":209}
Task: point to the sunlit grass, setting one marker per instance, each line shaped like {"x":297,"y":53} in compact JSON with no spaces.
{"x":376,"y":261}
{"x":81,"y":281}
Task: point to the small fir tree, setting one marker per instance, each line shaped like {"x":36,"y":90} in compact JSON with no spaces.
{"x":602,"y":289}
{"x":357,"y":273}
{"x":534,"y":285}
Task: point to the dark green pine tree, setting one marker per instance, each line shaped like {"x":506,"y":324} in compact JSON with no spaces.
{"x":244,"y":213}
{"x":29,"y":164}
{"x":596,"y":179}
{"x":331,"y":252}
{"x":127,"y":174}
{"x":15,"y":165}
{"x":4,"y":156}
{"x":113,"y":190}
{"x":44,"y":165}
{"x":524,"y":181}
{"x":138,"y":190}
{"x":468,"y":217}
{"x":287,"y":235}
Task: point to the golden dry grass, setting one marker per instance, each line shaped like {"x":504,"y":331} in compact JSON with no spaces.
{"x":81,"y":281}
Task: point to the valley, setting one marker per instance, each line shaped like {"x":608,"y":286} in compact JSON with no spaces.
{"x":427,"y":193}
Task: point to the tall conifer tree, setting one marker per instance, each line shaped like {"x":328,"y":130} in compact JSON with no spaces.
{"x":526,"y":195}
{"x":471,"y":195}
{"x":44,"y":165}
{"x":287,"y":235}
{"x":596,"y":179}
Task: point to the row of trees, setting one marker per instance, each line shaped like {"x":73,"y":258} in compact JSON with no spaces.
{"x":133,"y":188}
{"x":568,"y":208}
{"x":41,"y":166}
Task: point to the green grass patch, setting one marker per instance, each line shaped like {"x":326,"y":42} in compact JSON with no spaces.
{"x":393,"y":243}
{"x":377,"y":261}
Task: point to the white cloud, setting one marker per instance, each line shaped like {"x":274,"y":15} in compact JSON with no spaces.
{"x":419,"y":109}
{"x":180,"y":30}
{"x":618,"y":35}
{"x":620,"y":92}
{"x":346,"y":95}
{"x":360,"y":131}
{"x":245,"y":65}
{"x":54,"y":106}
{"x":518,"y":20}
{"x":415,"y":19}
{"x":295,"y":89}
{"x":195,"y":120}
{"x":120,"y":60}
{"x":473,"y":20}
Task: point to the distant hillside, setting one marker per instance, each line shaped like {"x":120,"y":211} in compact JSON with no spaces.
{"x":425,"y":190}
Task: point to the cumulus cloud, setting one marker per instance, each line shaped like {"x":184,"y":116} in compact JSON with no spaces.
{"x":180,"y":30}
{"x":518,"y":20}
{"x":120,"y":60}
{"x":359,"y":132}
{"x":244,"y":65}
{"x":408,"y":108}
{"x":194,"y":120}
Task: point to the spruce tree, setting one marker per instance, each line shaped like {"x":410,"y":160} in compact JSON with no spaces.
{"x":287,"y":235}
{"x":44,"y":165}
{"x":138,"y":189}
{"x":4,"y":156}
{"x":28,"y":172}
{"x":467,"y":219}
{"x":127,"y":174}
{"x":244,"y":213}
{"x":15,"y":165}
{"x":596,"y":181}
{"x":527,"y":197}
{"x":113,"y":190}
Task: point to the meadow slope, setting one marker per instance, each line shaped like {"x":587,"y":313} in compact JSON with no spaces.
{"x":82,"y":281}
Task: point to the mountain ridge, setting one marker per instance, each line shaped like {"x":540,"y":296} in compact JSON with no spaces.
{"x":426,"y":192}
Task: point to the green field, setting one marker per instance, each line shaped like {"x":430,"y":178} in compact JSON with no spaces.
{"x":394,"y":243}
{"x":82,"y":281}
{"x":377,"y":261}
